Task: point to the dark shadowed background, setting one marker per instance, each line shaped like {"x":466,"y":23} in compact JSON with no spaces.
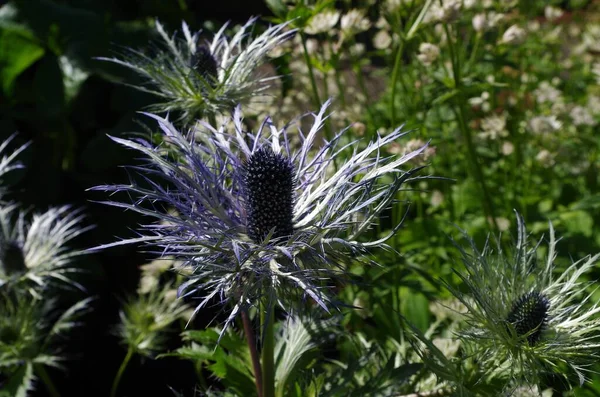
{"x":56,"y":95}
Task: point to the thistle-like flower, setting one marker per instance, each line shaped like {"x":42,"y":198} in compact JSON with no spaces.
{"x":529,"y":320}
{"x":195,"y":79}
{"x":30,"y":333}
{"x":36,"y":249}
{"x":258,"y":218}
{"x":7,"y":162}
{"x":145,"y":319}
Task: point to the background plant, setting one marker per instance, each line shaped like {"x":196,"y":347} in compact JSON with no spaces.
{"x":507,"y":92}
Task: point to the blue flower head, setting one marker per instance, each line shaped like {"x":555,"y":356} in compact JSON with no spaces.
{"x":265,"y":214}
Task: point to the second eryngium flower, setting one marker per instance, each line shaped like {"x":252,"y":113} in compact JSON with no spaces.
{"x":198,"y":79}
{"x":257,"y":216}
{"x":528,"y":319}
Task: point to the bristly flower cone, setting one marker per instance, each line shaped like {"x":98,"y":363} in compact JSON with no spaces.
{"x":204,"y":63}
{"x":269,"y":183}
{"x":529,"y":315}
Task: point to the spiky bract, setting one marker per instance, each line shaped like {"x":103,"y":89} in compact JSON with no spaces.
{"x":145,"y":320}
{"x":222,"y":189}
{"x":30,"y":335}
{"x":35,"y":247}
{"x":528,"y":319}
{"x":7,"y":162}
{"x":195,"y":79}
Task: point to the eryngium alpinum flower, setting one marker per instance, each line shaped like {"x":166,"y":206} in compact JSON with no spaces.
{"x":7,"y":162}
{"x":529,"y":320}
{"x":257,"y":217}
{"x":145,"y":320}
{"x":36,"y":249}
{"x":194,"y":78}
{"x":32,"y":331}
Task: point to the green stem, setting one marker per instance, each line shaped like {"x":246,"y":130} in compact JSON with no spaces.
{"x":268,"y":350}
{"x":115,"y":385}
{"x":461,"y":117}
{"x":334,"y":61}
{"x":395,"y":73}
{"x":488,"y":207}
{"x":311,"y":75}
{"x":363,"y":87}
{"x":474,"y":50}
{"x":41,"y":371}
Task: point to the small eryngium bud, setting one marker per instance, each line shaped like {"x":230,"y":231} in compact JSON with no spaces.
{"x":12,"y":259}
{"x":205,"y":64}
{"x":269,"y":180}
{"x":529,"y":315}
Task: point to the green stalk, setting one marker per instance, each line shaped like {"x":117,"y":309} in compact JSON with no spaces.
{"x":115,"y":385}
{"x":316,"y":99}
{"x":395,"y":73}
{"x":41,"y":371}
{"x":268,"y":350}
{"x":311,"y":74}
{"x":460,"y":114}
{"x":338,"y":77}
{"x":363,"y":87}
{"x":474,"y":50}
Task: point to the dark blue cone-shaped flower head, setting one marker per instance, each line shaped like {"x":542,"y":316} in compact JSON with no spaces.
{"x":269,"y":183}
{"x":252,"y":213}
{"x":195,"y":78}
{"x":529,"y":318}
{"x":529,"y":315}
{"x":205,"y":64}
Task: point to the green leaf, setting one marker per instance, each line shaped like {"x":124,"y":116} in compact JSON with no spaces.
{"x":18,"y":51}
{"x":229,"y":361}
{"x":445,"y":97}
{"x":277,"y":7}
{"x":404,"y":372}
{"x":19,"y":383}
{"x":578,"y":222}
{"x":415,"y":307}
{"x":232,"y":371}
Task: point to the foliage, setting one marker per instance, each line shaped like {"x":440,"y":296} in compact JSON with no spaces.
{"x":501,"y":99}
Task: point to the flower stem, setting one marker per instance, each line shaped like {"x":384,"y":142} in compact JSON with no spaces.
{"x":268,"y":350}
{"x":115,"y":385}
{"x":311,"y":75}
{"x":460,"y":113}
{"x":253,"y":352}
{"x":313,"y":85}
{"x":41,"y":371}
{"x":395,"y":73}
